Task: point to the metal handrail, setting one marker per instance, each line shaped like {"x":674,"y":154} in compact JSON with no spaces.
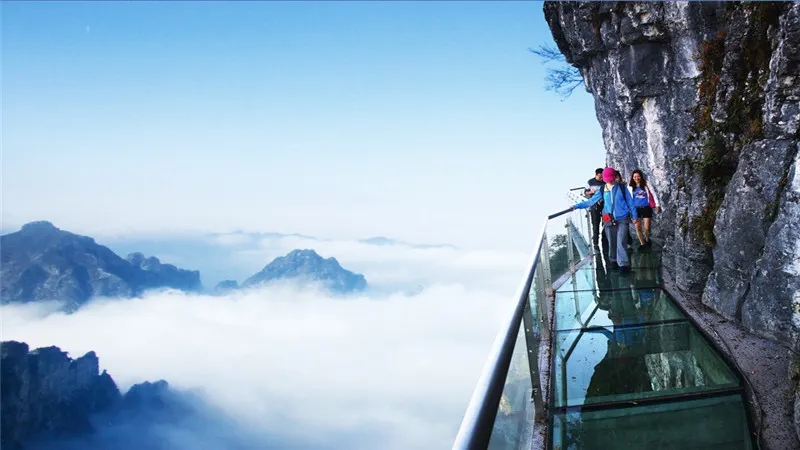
{"x":476,"y":426}
{"x":560,"y":213}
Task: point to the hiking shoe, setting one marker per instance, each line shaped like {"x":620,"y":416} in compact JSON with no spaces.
{"x":614,"y":265}
{"x":624,"y":270}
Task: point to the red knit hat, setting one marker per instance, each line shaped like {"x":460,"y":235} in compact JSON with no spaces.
{"x":608,"y":175}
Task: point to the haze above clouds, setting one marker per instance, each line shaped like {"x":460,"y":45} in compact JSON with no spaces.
{"x":403,"y":265}
{"x":388,"y":371}
{"x":415,"y":120}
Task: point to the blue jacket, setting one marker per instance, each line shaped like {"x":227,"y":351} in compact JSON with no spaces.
{"x":623,"y":202}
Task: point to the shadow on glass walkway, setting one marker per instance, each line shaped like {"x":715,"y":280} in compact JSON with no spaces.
{"x":592,"y":359}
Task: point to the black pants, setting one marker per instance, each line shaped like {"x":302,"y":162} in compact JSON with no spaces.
{"x":597,"y":214}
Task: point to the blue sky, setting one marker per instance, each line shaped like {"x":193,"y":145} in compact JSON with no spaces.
{"x":419,"y":121}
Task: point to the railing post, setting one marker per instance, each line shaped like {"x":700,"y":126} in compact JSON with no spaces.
{"x":570,"y":251}
{"x":589,"y":231}
{"x":532,"y":343}
{"x":546,"y":283}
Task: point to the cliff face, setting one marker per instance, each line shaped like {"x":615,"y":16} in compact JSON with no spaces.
{"x":51,"y":401}
{"x":46,"y":393}
{"x":705,"y":99}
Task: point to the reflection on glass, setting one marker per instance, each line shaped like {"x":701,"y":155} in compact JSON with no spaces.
{"x":645,"y":259}
{"x":513,"y":424}
{"x":627,"y":362}
{"x":584,"y":309}
{"x":537,"y":298}
{"x":581,"y":280}
{"x":560,"y":255}
{"x":597,"y":274}
{"x":711,"y":423}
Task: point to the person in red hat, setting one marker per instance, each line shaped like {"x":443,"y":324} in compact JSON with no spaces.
{"x":618,"y":213}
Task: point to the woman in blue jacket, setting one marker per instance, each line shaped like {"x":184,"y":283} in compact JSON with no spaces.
{"x":618,"y":213}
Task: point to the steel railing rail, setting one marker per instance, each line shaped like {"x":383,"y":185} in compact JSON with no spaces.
{"x":476,"y":426}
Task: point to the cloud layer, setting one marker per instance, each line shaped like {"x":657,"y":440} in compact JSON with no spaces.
{"x":382,"y":370}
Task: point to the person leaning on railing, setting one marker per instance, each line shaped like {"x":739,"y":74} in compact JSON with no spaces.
{"x":618,"y":212}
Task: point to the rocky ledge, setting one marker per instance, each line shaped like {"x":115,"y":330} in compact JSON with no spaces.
{"x":48,"y":396}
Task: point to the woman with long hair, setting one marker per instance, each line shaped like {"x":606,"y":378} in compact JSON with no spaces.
{"x":645,"y":201}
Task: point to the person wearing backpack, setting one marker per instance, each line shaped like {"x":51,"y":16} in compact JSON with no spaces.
{"x":618,"y":213}
{"x":645,"y":201}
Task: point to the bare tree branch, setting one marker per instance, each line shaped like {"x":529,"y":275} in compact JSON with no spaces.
{"x":562,"y":79}
{"x":548,"y":54}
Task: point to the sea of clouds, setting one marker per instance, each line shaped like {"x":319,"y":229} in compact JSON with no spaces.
{"x":293,"y":368}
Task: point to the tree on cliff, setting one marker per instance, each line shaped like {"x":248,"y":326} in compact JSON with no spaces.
{"x":559,"y":255}
{"x":564,"y":78}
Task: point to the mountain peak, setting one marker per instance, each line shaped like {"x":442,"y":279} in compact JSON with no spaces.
{"x":305,"y":251}
{"x":304,"y":254}
{"x":39,"y":225}
{"x":309,"y":265}
{"x":379,"y":240}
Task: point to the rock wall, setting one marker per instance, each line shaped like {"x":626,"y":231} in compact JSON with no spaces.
{"x":48,"y":397}
{"x":794,"y":375}
{"x":704,"y":97}
{"x":46,"y":393}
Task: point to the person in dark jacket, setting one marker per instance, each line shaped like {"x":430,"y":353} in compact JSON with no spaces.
{"x":618,"y":213}
{"x":597,"y":209}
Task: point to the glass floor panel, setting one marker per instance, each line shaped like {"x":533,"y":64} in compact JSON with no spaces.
{"x":624,"y":363}
{"x":637,"y":261}
{"x":592,"y":276}
{"x":716,"y":423}
{"x":630,"y":371}
{"x":583,"y":309}
{"x":633,"y":244}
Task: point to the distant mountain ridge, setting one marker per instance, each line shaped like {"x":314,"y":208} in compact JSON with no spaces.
{"x":217,"y":257}
{"x":380,"y":240}
{"x":43,"y":262}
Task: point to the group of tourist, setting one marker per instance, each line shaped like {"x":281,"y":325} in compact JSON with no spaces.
{"x":617,"y":206}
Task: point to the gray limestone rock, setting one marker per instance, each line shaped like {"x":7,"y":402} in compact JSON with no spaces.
{"x":772,"y":306}
{"x":743,"y":221}
{"x":797,"y":411}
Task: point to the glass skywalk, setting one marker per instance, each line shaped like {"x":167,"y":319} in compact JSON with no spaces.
{"x":630,"y":371}
{"x":591,"y":359}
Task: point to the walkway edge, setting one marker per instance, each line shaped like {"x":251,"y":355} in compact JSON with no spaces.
{"x":763,"y":363}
